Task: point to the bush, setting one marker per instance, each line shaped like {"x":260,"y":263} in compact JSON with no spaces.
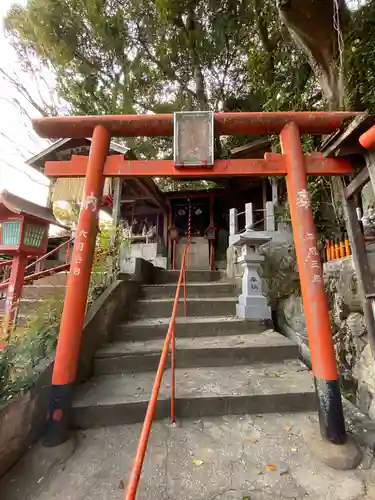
{"x":20,"y":359}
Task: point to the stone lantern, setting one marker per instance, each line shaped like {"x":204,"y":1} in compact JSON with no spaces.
{"x":252,"y":304}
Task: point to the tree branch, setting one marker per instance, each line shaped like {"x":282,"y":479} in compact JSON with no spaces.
{"x":268,"y":44}
{"x":168,"y":73}
{"x":188,"y":29}
{"x":20,"y":87}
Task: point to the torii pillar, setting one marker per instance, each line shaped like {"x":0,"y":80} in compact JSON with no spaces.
{"x":69,"y":341}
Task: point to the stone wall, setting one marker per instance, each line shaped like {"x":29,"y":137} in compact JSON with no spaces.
{"x":353,"y":353}
{"x":22,"y":418}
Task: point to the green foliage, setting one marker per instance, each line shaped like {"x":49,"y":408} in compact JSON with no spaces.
{"x":20,"y":361}
{"x":326,"y":208}
{"x":128,"y":56}
{"x":106,"y":260}
{"x":31,"y":348}
{"x":360,"y":59}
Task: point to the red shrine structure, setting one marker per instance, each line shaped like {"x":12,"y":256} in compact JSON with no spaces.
{"x":193,"y":135}
{"x":23,"y":235}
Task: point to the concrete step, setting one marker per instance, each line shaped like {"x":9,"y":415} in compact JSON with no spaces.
{"x":162,"y":308}
{"x":191,"y":326}
{"x":201,"y":392}
{"x":162,"y":276}
{"x":231,"y":350}
{"x":194,"y":290}
{"x":40,"y":291}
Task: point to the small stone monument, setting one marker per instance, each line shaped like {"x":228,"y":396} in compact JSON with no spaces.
{"x":252,"y":304}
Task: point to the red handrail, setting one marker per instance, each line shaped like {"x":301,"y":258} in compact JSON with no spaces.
{"x":67,"y":242}
{"x":5,"y":283}
{"x":41,"y":274}
{"x":170,"y":339}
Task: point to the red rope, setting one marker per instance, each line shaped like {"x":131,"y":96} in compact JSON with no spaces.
{"x":189,"y":238}
{"x":189,"y":222}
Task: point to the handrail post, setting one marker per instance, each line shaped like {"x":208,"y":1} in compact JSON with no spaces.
{"x":270,"y":216}
{"x":173,"y":374}
{"x":14,"y":292}
{"x":135,"y":474}
{"x":249,"y":216}
{"x":185,"y":294}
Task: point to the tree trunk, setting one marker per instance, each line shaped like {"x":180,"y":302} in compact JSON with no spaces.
{"x":312,"y":25}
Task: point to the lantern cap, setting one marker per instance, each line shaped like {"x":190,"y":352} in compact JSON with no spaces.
{"x":20,"y":206}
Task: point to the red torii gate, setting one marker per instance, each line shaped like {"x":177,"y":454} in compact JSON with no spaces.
{"x":292,"y":163}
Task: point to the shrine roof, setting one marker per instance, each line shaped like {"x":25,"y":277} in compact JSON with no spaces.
{"x":64,"y":148}
{"x":345,"y":140}
{"x":20,"y":206}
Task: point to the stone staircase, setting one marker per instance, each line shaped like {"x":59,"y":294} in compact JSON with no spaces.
{"x":224,"y":365}
{"x":35,"y":294}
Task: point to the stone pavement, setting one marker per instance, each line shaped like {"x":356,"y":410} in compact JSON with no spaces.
{"x":222,"y":458}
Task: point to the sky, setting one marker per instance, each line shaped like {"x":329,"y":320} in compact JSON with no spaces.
{"x":18,"y":141}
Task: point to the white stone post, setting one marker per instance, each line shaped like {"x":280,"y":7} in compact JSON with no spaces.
{"x":233,"y":221}
{"x":249,"y":219}
{"x":270,"y":216}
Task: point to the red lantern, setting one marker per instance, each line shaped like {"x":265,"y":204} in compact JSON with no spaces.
{"x":174,"y":233}
{"x":23,"y":226}
{"x":23,"y":233}
{"x":210,"y":233}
